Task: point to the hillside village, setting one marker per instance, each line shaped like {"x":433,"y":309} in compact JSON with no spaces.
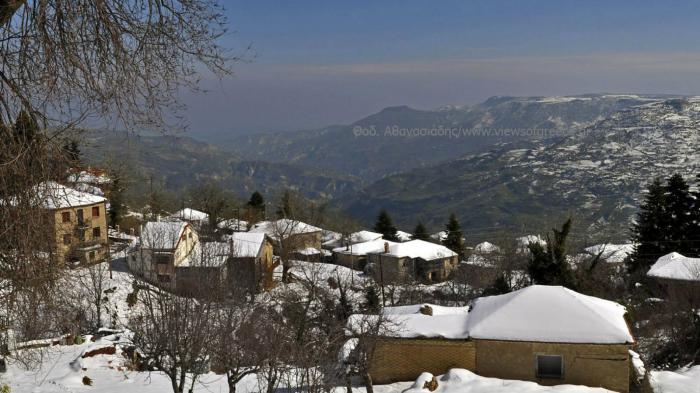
{"x":204,"y":196}
{"x":402,"y":305}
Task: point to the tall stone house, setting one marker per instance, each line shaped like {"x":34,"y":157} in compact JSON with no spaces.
{"x":79,"y":220}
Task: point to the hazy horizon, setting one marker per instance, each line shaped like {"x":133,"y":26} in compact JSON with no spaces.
{"x":335,"y":63}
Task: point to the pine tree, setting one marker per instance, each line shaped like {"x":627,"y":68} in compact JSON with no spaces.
{"x":548,"y":264}
{"x":649,"y":229}
{"x":454,"y":239}
{"x":420,"y":233}
{"x":72,"y":152}
{"x":695,"y":221}
{"x":116,"y":203}
{"x":372,"y":302}
{"x":285,"y":209}
{"x":679,"y":205}
{"x":385,"y":226}
{"x":25,"y":127}
{"x":256,"y":201}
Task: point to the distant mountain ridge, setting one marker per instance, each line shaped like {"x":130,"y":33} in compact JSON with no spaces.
{"x":337,"y":149}
{"x":596,"y":174}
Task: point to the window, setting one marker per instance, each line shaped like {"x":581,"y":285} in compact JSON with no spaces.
{"x":91,"y":256}
{"x":96,"y":232}
{"x":550,"y":366}
{"x":162,"y":258}
{"x":66,"y":239}
{"x":96,"y":211}
{"x":80,"y":216}
{"x":65,"y":217}
{"x":163,"y":278}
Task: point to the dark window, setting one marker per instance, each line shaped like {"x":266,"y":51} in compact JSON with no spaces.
{"x":162,"y":259}
{"x":66,"y":239}
{"x":96,"y":232}
{"x":91,"y":256}
{"x":96,"y":211}
{"x":65,"y":217}
{"x":163,"y":278}
{"x":550,"y":366}
{"x":80,"y":217}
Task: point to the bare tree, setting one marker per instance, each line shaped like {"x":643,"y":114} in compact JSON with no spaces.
{"x":66,"y":60}
{"x":174,"y":334}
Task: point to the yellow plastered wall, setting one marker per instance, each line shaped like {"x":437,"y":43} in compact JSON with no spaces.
{"x":69,"y":228}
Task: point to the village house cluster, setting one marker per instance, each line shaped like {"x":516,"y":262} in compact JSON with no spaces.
{"x":547,"y":334}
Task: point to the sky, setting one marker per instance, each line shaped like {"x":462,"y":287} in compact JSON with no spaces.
{"x":309,"y":64}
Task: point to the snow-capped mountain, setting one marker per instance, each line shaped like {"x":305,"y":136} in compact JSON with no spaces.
{"x":598,"y":174}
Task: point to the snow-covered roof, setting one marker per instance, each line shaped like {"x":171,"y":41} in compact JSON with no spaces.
{"x":409,"y":322}
{"x":548,"y":314}
{"x":441,"y":236}
{"x":333,"y":239}
{"x":611,"y":253}
{"x":283,"y":227}
{"x":89,"y":177}
{"x":233,"y":224}
{"x":246,"y":244}
{"x":403,"y":236}
{"x":524,"y":241}
{"x":675,"y":266}
{"x":207,"y":254}
{"x":52,"y":195}
{"x":420,"y":249}
{"x":365,"y":248}
{"x":486,"y":248}
{"x":188,"y":214}
{"x":162,"y":234}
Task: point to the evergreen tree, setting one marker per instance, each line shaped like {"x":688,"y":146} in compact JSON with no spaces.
{"x":372,"y":301}
{"x":695,"y":222}
{"x":499,"y":287}
{"x":679,"y":205}
{"x":256,"y":201}
{"x":25,"y":128}
{"x":649,"y":229}
{"x":548,"y":264}
{"x":116,"y":200}
{"x":420,"y":233}
{"x":454,"y":239}
{"x":385,"y":226}
{"x":72,"y":152}
{"x":285,"y":209}
{"x":256,"y":207}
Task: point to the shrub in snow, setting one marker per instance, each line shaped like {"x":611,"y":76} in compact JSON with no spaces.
{"x":426,"y":310}
{"x":87,"y":381}
{"x":431,"y":385}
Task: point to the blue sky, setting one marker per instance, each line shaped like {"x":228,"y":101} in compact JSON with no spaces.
{"x":315,"y":63}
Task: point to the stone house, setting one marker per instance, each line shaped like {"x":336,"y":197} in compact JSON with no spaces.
{"x":288,"y":236}
{"x":250,"y":265}
{"x":354,"y":256}
{"x":545,"y":334}
{"x":678,"y":278}
{"x":413,"y":260}
{"x":79,"y":222}
{"x":163,"y":246}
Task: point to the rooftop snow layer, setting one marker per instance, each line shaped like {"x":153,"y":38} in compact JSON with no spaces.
{"x":675,"y":266}
{"x":284,"y":227}
{"x":420,"y":249}
{"x":365,"y":248}
{"x":188,"y":214}
{"x":52,"y":195}
{"x":548,"y":314}
{"x":246,"y":244}
{"x":611,"y":253}
{"x":162,"y":234}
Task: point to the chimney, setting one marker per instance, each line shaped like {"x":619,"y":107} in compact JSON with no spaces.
{"x":386,"y":247}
